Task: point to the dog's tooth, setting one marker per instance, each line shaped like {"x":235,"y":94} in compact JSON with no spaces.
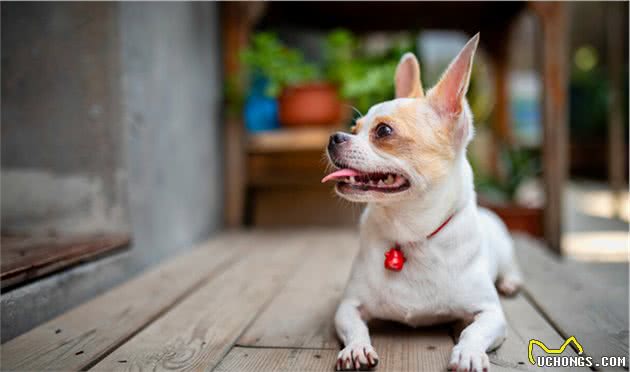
{"x":389,"y":180}
{"x":381,"y":183}
{"x":352,"y":180}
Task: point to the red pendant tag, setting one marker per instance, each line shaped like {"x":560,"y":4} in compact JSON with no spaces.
{"x":394,"y":259}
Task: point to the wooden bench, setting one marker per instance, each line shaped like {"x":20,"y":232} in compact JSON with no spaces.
{"x":264,"y":301}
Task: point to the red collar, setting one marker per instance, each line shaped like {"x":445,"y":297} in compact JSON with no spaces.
{"x":434,"y":233}
{"x":395,"y":258}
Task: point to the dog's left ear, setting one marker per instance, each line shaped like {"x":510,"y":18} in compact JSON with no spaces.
{"x":407,"y":78}
{"x":448,"y":94}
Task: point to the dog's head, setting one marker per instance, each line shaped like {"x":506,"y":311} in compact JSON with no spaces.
{"x":402,"y":147}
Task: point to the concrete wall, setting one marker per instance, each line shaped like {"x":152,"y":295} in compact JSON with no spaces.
{"x":62,"y":150}
{"x":172,"y":92}
{"x":110,"y":121}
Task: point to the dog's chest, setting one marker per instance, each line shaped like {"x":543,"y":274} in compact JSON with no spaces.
{"x":419,"y":294}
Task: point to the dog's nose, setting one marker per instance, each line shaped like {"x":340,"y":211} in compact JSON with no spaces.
{"x":338,"y":138}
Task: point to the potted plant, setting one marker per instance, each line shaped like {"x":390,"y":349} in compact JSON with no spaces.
{"x":514,"y":193}
{"x":363,"y":78}
{"x":303,"y":98}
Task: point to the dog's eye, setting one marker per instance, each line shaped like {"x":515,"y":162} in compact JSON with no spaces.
{"x":383,"y":130}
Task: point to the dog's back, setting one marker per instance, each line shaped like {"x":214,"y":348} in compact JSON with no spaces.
{"x":500,"y":247}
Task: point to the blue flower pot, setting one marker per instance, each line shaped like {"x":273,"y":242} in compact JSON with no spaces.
{"x":260,"y":111}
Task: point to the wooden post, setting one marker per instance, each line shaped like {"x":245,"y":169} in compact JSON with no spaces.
{"x":553,"y":16}
{"x":616,"y":154}
{"x":237,"y":19}
{"x":502,"y":120}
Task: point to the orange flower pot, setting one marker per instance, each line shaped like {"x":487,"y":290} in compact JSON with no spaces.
{"x":308,"y":105}
{"x":517,"y":218}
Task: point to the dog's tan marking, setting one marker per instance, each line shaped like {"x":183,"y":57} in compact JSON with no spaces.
{"x":421,"y":137}
{"x":356,"y":128}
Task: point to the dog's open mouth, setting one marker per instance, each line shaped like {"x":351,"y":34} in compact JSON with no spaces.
{"x":354,"y":180}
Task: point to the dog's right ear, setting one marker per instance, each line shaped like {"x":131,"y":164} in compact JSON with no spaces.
{"x":448,"y":94}
{"x":408,"y":84}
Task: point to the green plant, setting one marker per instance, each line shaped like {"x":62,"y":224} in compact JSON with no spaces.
{"x":515,"y":166}
{"x":362,"y":79}
{"x":280,"y":65}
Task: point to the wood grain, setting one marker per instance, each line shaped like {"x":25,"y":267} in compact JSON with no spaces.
{"x":399,"y":348}
{"x":524,"y":324}
{"x":26,"y":258}
{"x":588,"y":301}
{"x":276,"y":360}
{"x":77,"y":338}
{"x":199,"y":331}
{"x":402,"y":348}
{"x":275,"y":294}
{"x":301,"y":315}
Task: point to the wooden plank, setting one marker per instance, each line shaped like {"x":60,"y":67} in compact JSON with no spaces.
{"x":588,"y":301}
{"x":276,"y":360}
{"x":400,"y":349}
{"x":200,"y":330}
{"x":524,"y":323}
{"x":302,"y":314}
{"x":26,"y":258}
{"x":77,"y":338}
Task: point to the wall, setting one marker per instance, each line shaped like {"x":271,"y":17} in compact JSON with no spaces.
{"x":62,"y":155}
{"x":172,"y":92}
{"x":109,"y":122}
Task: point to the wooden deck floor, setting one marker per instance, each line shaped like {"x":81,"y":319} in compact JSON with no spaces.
{"x":264,"y":301}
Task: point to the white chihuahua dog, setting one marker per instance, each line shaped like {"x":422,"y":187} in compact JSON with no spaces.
{"x":428,"y":254}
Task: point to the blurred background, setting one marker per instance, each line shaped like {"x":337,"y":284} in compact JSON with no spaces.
{"x":132,"y":131}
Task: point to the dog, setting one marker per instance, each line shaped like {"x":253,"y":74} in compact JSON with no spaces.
{"x":445,"y":257}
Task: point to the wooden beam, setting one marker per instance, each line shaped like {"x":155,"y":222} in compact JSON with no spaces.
{"x":553,"y":16}
{"x":27,"y":258}
{"x":616,"y":155}
{"x":237,"y":20}
{"x":498,"y":47}
{"x":500,"y":58}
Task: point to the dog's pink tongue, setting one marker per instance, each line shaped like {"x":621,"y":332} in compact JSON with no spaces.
{"x":341,"y":173}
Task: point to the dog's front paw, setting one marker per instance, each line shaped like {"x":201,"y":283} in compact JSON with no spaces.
{"x":357,"y":356}
{"x":466,"y":359}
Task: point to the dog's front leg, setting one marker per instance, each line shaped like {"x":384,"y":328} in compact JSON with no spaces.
{"x":358,"y":352}
{"x":485,"y":333}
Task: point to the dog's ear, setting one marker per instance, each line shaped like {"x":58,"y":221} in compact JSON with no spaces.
{"x":449,"y":92}
{"x":407,"y":78}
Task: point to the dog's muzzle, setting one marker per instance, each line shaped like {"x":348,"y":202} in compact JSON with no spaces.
{"x":336,"y":143}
